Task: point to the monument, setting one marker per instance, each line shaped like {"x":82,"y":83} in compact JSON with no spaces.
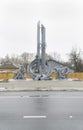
{"x":20,"y":73}
{"x":40,"y":68}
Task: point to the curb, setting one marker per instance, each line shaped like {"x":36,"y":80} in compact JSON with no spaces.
{"x":27,"y":90}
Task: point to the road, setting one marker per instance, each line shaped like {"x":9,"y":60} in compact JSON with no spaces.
{"x":41,"y":110}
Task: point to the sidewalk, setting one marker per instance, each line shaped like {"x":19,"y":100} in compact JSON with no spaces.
{"x":48,"y":85}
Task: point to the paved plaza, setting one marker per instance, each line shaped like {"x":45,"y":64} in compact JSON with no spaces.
{"x":48,"y":85}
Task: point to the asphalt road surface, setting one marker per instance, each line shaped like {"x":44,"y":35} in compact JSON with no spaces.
{"x":41,"y":111}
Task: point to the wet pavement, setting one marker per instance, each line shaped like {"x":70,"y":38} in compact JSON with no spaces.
{"x":41,"y":110}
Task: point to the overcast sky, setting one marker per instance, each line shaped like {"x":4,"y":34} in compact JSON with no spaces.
{"x":63,"y":20}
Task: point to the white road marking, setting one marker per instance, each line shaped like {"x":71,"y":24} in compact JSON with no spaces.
{"x":70,"y":116}
{"x":32,"y":117}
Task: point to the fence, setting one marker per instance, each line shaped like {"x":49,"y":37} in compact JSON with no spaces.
{"x":9,"y":75}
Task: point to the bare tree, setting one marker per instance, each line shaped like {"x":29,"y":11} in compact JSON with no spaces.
{"x":75,"y":59}
{"x":26,"y":58}
{"x":15,"y":59}
{"x":56,"y":56}
{"x":48,"y":57}
{"x":5,"y":59}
